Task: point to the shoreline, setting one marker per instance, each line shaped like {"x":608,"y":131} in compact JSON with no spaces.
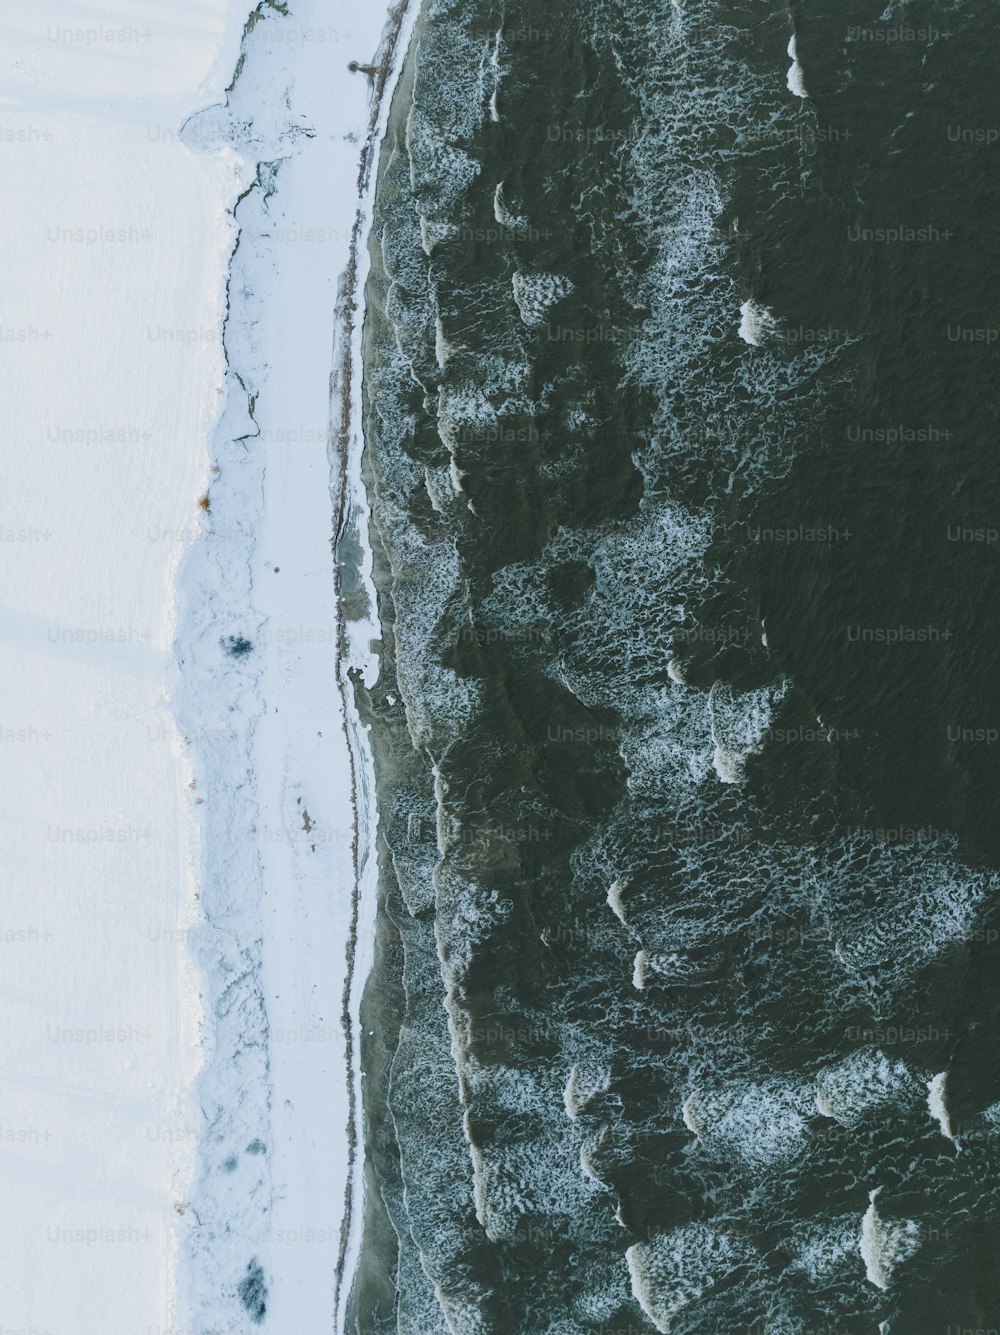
{"x":281,"y":764}
{"x":351,"y":513}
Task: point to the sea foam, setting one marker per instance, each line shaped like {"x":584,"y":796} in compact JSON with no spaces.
{"x":864,"y":1083}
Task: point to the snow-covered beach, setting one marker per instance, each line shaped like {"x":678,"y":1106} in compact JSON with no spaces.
{"x":178,"y":814}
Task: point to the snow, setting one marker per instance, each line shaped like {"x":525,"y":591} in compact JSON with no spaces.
{"x":175,"y":956}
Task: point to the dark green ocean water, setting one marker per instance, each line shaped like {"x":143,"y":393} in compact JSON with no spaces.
{"x":681,"y":399}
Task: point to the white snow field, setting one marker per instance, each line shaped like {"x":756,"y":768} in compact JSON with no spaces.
{"x":178,"y":829}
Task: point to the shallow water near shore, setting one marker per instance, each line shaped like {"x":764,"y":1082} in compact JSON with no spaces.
{"x":678,"y":387}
